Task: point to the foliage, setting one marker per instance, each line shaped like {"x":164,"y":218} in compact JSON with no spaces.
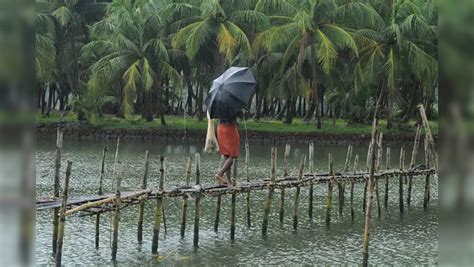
{"x":157,"y":57}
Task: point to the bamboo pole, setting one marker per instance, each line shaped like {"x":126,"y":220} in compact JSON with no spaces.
{"x":159,"y":209}
{"x":108,"y":200}
{"x":356,"y":162}
{"x":285,"y":174}
{"x":233,"y":202}
{"x":370,"y":196}
{"x":247,"y":199}
{"x":219,"y":199}
{"x":185,"y":198}
{"x":369,"y":152}
{"x":341,"y":185}
{"x":197,"y":159}
{"x":426,"y":125}
{"x":297,"y":194}
{"x":311,"y":171}
{"x":330,"y":186}
{"x":141,"y":208}
{"x":62,"y":216}
{"x":164,"y":216}
{"x":387,"y":166}
{"x":116,"y":218}
{"x":400,"y":182}
{"x":412,"y":163}
{"x":271,"y":189}
{"x":101,"y":192}
{"x":56,"y":189}
{"x":377,"y":169}
{"x":428,"y":162}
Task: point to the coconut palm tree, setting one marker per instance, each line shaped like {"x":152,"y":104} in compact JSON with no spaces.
{"x":133,"y":59}
{"x":395,"y":40}
{"x":308,"y":31}
{"x":214,"y":29}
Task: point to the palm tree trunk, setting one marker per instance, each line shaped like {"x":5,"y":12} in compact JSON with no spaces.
{"x":189,"y":101}
{"x":159,"y":102}
{"x":389,"y":110}
{"x":200,"y":103}
{"x":314,"y":87}
{"x":409,"y":112}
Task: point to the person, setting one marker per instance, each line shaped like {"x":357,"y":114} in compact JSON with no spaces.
{"x":228,"y":139}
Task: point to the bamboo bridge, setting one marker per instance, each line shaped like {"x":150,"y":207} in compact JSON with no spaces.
{"x":94,"y":205}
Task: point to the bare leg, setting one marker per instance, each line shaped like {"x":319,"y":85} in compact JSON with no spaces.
{"x":226,"y":166}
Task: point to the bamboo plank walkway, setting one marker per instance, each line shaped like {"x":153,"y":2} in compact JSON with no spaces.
{"x":135,"y":197}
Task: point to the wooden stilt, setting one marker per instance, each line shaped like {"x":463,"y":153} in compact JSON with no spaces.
{"x":57,"y":169}
{"x":311,"y":171}
{"x":233,"y":202}
{"x":387,"y":165}
{"x":219,"y":200}
{"x":285,"y":174}
{"x":62,"y":217}
{"x":117,"y":203}
{"x":164,"y":216}
{"x":370,"y":196}
{"x":271,"y":189}
{"x":412,"y":163}
{"x":141,"y":208}
{"x":377,"y":169}
{"x":185,"y":198}
{"x":197,"y":201}
{"x":369,"y":152}
{"x":400,"y":182}
{"x":330,"y":186}
{"x":159,"y":209}
{"x":341,"y":185}
{"x":297,"y":194}
{"x":247,"y":199}
{"x":426,"y":125}
{"x":427,"y":195}
{"x":101,"y":192}
{"x":356,"y":162}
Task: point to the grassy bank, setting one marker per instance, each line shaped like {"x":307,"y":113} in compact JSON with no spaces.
{"x":264,"y":125}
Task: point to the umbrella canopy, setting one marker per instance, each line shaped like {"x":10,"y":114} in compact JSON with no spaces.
{"x":230,"y":93}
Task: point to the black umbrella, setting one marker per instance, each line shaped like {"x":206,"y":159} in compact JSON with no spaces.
{"x":230,"y":93}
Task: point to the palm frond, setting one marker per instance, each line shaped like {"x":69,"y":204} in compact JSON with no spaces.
{"x":341,"y":37}
{"x":131,"y":78}
{"x":327,"y":53}
{"x":63,"y":15}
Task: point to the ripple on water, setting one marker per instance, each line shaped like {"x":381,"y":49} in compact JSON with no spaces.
{"x":395,"y":239}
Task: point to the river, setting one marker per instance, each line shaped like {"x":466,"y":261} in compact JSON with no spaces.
{"x":411,"y":238}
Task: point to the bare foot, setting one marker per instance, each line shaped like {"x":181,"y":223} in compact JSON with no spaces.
{"x":223,"y":180}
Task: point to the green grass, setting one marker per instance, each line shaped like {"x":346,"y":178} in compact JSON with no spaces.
{"x":264,"y":125}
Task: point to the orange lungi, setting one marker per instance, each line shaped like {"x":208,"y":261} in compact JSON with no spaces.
{"x":228,"y":139}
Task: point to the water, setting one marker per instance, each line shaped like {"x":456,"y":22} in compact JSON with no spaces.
{"x":395,"y":239}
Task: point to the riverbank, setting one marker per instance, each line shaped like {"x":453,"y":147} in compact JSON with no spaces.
{"x":187,"y":128}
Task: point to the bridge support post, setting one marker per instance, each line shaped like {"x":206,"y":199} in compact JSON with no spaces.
{"x":356,"y":162}
{"x":233,"y":202}
{"x":57,"y":169}
{"x":297,"y":194}
{"x":62,"y":217}
{"x":141,"y":208}
{"x":400,"y":181}
{"x":197,"y":202}
{"x":116,"y":219}
{"x":271,"y":189}
{"x":185,"y":199}
{"x":158,"y":210}
{"x":330,"y":188}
